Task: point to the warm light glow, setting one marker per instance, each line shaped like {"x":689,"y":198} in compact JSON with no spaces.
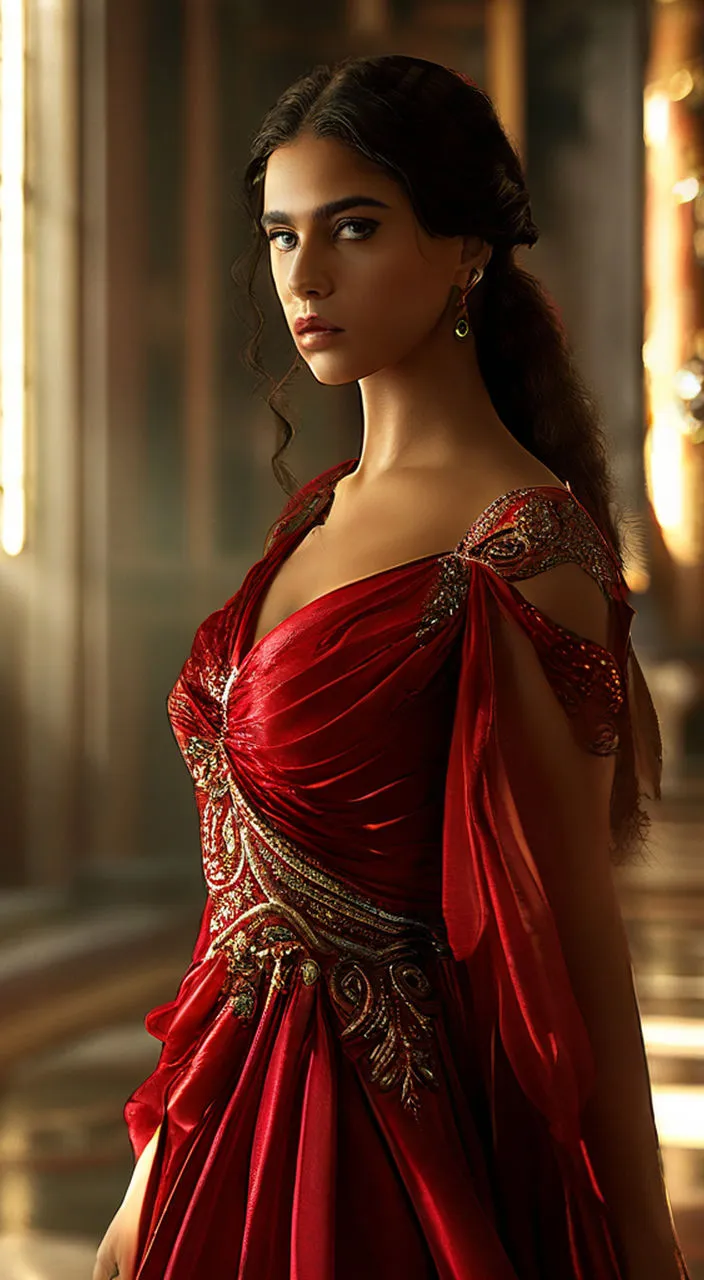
{"x":687,"y":384}
{"x":17,"y":1200}
{"x":685,"y":190}
{"x":679,"y":1115}
{"x":656,"y":118}
{"x":665,"y":462}
{"x":12,"y":250}
{"x":637,"y":577}
{"x":667,"y":339}
{"x":674,"y":1037}
{"x":681,"y":85}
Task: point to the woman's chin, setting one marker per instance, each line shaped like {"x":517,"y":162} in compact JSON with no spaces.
{"x":335,"y":373}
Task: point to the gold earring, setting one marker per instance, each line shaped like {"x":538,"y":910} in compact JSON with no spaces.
{"x":462,"y":325}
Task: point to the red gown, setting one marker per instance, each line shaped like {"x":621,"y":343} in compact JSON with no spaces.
{"x":375,"y":1063}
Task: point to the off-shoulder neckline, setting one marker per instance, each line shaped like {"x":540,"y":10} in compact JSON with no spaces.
{"x":335,"y":475}
{"x":332,"y":478}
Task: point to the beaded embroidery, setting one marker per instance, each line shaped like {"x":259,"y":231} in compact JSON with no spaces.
{"x":585,"y":678}
{"x":526,"y":531}
{"x":278,"y":912}
{"x":520,"y":534}
{"x":292,"y":517}
{"x":300,"y":507}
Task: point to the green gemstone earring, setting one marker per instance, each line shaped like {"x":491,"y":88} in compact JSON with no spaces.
{"x":462,"y":325}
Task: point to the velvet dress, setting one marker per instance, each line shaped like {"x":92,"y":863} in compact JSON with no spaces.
{"x":375,"y":1063}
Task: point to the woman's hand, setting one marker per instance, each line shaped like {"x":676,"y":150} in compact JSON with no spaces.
{"x":115,"y":1259}
{"x":118,"y":1247}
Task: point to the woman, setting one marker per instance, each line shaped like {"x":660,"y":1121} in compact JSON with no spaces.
{"x":408,"y":1043}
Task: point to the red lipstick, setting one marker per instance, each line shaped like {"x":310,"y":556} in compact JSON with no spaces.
{"x":315,"y":324}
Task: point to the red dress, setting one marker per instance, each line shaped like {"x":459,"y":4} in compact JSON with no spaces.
{"x":375,"y":1063}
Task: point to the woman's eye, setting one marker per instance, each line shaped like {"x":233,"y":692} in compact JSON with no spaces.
{"x":274,"y":235}
{"x":367,"y":226}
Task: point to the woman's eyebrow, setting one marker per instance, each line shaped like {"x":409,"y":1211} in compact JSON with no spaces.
{"x":324,"y":211}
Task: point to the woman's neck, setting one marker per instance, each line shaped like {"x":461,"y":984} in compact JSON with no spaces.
{"x":431,"y":410}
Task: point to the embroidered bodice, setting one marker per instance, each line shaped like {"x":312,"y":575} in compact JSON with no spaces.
{"x":250,"y":741}
{"x":377,"y":797}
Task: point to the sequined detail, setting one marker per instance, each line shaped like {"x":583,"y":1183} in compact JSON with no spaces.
{"x":446,"y":598}
{"x":291,"y":518}
{"x":526,"y":531}
{"x":278,"y":913}
{"x":303,"y":506}
{"x":272,"y":950}
{"x":384,"y":1003}
{"x":520,"y":534}
{"x":585,"y":677}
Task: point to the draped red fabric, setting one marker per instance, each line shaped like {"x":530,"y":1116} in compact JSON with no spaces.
{"x":375,"y":1062}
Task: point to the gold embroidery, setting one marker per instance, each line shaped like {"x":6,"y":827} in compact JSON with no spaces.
{"x":290,"y":519}
{"x":274,"y":951}
{"x":584,"y":676}
{"x":375,"y":999}
{"x":446,"y":598}
{"x":299,"y":509}
{"x":278,"y":912}
{"x":541,"y":533}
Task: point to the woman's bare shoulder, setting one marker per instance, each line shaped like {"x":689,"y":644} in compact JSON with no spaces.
{"x":473,"y":492}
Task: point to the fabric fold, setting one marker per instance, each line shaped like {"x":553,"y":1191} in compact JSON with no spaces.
{"x":375,"y":1062}
{"x":503,"y":804}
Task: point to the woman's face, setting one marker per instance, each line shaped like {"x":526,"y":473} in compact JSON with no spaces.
{"x":368,"y":268}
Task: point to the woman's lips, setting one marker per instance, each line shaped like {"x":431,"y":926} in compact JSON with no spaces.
{"x":305,"y":324}
{"x":315,"y":338}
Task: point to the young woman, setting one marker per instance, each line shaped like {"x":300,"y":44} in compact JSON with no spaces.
{"x":408,"y":1043}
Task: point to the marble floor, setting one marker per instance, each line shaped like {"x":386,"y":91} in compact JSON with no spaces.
{"x":64,"y":1157}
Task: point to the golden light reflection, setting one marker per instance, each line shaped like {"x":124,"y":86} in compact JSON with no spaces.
{"x":681,"y":85}
{"x":686,"y":189}
{"x":656,"y":118}
{"x":12,"y":275}
{"x":679,"y":1115}
{"x":16,"y":1196}
{"x":678,"y":1109}
{"x":664,"y":462}
{"x":679,"y":1037}
{"x":664,"y":447}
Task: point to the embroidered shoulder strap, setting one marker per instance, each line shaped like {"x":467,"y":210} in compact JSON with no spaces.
{"x":526,"y":531}
{"x":520,"y":534}
{"x":304,"y":503}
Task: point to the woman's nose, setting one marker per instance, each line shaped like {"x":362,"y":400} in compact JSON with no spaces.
{"x":307,"y":274}
{"x":304,"y":288}
{"x":304,"y":283}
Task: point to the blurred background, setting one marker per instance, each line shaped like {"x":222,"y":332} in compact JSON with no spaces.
{"x":137,"y":489}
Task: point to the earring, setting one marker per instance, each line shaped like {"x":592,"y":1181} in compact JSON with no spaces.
{"x":462,"y":325}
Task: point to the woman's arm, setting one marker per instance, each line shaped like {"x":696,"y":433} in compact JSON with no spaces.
{"x":570,"y":840}
{"x":116,"y":1254}
{"x":140,"y":1174}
